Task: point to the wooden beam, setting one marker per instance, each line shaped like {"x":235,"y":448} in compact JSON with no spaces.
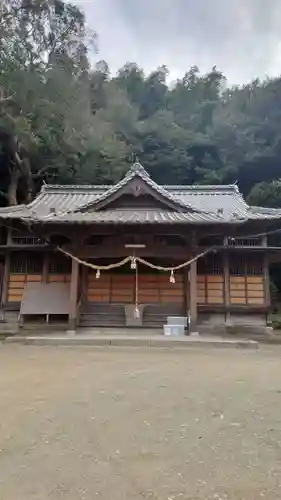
{"x":81,"y":231}
{"x":193,"y":297}
{"x":20,"y":247}
{"x":115,"y":250}
{"x":73,"y":296}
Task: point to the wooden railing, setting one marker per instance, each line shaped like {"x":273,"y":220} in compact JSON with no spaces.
{"x":244,"y":242}
{"x":26,"y":240}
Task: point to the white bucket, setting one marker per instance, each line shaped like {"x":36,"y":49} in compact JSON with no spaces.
{"x":167,"y":330}
{"x":177,"y":320}
{"x":177,"y":330}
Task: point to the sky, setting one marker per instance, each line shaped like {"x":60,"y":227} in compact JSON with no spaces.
{"x":241,"y":37}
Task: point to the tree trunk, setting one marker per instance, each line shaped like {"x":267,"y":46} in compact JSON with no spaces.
{"x":13,"y":186}
{"x":28,"y":184}
{"x":20,"y":170}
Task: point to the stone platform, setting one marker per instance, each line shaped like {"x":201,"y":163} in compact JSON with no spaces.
{"x":130,"y":340}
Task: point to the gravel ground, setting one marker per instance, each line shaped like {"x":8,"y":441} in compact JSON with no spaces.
{"x":83,"y":423}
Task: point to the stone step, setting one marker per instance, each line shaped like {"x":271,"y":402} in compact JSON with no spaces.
{"x":8,"y":326}
{"x":8,"y":329}
{"x":119,"y":331}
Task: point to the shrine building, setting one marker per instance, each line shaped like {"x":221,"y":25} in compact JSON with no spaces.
{"x":61,"y":255}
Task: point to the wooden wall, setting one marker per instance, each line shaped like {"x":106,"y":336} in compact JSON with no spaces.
{"x":59,"y":278}
{"x":245,"y":287}
{"x":153,"y":289}
{"x":244,"y":290}
{"x":120,"y":288}
{"x":247,"y":290}
{"x":110,"y":288}
{"x":210,"y":289}
{"x":17,"y":281}
{"x":156,"y":288}
{"x":27,"y":267}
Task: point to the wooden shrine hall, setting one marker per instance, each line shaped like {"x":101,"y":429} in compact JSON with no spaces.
{"x":99,"y":226}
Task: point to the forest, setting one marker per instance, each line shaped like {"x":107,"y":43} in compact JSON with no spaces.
{"x":67,"y":120}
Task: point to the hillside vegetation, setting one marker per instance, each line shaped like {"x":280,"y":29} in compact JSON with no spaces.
{"x":64,"y":121}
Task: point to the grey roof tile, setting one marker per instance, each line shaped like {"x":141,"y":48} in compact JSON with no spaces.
{"x":197,"y":204}
{"x":263,"y":212}
{"x":132,"y":216}
{"x":137,"y":170}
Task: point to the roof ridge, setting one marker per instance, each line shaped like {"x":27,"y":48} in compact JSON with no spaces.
{"x":138,"y":170}
{"x":257,"y":209}
{"x":174,"y":187}
{"x":204,"y":187}
{"x":13,"y":208}
{"x":68,"y":187}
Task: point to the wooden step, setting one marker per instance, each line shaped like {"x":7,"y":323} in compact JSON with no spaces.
{"x":156,"y":316}
{"x":98,"y":321}
{"x":95,"y":314}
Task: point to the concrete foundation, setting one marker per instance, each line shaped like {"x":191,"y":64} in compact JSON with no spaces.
{"x":232,"y":323}
{"x":132,"y":341}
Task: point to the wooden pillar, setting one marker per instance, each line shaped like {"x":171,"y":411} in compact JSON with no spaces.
{"x":5,"y":282}
{"x":73,"y":296}
{"x":45,"y":268}
{"x":6,"y":272}
{"x":9,"y":237}
{"x":226,"y":285}
{"x":84,"y":281}
{"x":193,"y":297}
{"x":266,"y":278}
{"x":185,"y":290}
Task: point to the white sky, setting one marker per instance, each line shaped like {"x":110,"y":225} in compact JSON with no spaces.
{"x":241,"y":37}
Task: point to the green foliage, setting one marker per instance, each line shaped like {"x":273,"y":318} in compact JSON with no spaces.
{"x":62,"y":120}
{"x":267,"y":194}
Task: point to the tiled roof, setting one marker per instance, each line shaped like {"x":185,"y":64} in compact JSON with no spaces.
{"x":137,"y":170}
{"x":196,"y":204}
{"x":264,"y":213}
{"x":129,"y":216}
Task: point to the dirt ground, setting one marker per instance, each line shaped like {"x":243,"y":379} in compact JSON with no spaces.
{"x":84,"y":423}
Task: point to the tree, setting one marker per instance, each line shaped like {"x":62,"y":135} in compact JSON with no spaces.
{"x":62,"y":120}
{"x":37,"y":33}
{"x":42,"y":42}
{"x":246,"y":130}
{"x":266,"y":194}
